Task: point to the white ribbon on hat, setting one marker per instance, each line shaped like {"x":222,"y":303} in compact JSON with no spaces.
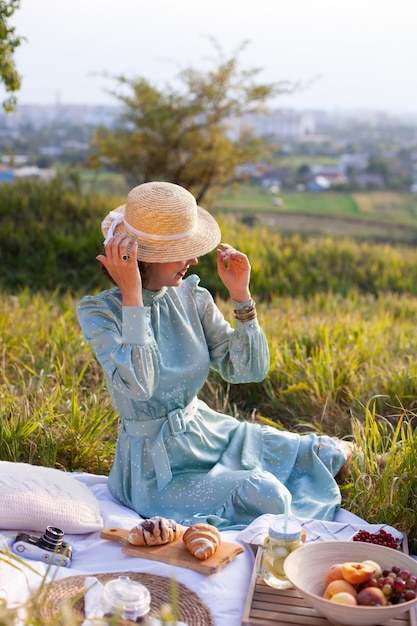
{"x":118,"y":219}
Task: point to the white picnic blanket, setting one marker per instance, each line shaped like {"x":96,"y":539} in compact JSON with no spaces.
{"x":224,"y":592}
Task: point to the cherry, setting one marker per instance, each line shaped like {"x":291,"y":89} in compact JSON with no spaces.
{"x":382,"y":538}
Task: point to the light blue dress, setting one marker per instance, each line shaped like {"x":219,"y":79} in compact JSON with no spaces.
{"x":175,"y":456}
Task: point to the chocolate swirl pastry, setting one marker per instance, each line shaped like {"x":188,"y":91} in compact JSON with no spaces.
{"x":155,"y":531}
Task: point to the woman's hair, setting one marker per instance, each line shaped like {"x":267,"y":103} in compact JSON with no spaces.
{"x":143,"y":269}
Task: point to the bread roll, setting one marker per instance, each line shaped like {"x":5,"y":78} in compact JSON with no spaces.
{"x":202,"y":540}
{"x":155,"y":531}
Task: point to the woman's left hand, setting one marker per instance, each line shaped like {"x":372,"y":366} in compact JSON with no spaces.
{"x":234,"y":270}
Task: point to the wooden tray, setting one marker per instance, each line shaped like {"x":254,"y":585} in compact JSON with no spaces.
{"x":266,"y":606}
{"x":175,"y":552}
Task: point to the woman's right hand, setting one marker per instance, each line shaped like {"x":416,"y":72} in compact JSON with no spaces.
{"x":121,"y":263}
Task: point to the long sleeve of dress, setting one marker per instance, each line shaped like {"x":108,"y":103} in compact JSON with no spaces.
{"x":241,"y":354}
{"x":123,"y":342}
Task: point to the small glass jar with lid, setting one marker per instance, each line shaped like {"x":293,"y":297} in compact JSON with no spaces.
{"x":284,"y":536}
{"x":126,"y":598}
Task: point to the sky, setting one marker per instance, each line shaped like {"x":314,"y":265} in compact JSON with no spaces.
{"x":356,"y":54}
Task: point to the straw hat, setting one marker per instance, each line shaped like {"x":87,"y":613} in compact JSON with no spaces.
{"x":166,"y":221}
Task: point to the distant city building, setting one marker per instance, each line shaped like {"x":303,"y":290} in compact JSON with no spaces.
{"x":15,"y":159}
{"x":285,"y":125}
{"x":32,"y":171}
{"x":318,"y":183}
{"x":356,"y":162}
{"x":6,"y":174}
{"x":44,"y":115}
{"x":62,"y":133}
{"x":50,"y":151}
{"x":325,"y":179}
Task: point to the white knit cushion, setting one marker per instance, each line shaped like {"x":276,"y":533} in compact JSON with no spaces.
{"x":34,"y":497}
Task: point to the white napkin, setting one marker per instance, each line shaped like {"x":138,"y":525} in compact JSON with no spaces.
{"x":92,"y":607}
{"x":316,"y":530}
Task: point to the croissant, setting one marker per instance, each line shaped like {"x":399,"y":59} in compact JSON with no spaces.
{"x":202,"y":540}
{"x":155,"y":531}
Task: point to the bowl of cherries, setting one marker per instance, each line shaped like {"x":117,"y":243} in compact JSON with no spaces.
{"x":380,"y":538}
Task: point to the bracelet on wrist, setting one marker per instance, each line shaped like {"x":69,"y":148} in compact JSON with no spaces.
{"x":248,"y":318}
{"x":246,"y":313}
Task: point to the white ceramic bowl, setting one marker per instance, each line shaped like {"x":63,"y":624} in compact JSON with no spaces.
{"x":307,"y":566}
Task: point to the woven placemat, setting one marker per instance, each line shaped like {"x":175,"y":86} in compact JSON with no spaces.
{"x":69,"y":593}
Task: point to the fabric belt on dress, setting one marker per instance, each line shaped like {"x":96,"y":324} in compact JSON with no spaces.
{"x":176,"y":420}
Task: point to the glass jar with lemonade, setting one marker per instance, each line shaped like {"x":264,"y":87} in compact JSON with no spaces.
{"x":284,"y":536}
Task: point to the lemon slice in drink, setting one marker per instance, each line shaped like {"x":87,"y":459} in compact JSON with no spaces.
{"x":276,"y":567}
{"x":279,"y":567}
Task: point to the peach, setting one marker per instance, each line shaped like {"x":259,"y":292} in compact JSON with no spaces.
{"x":357,"y":573}
{"x":333,"y":573}
{"x":339,"y":586}
{"x":343,"y":597}
{"x":371,"y":596}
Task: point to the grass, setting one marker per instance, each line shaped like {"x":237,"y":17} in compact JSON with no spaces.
{"x":328,"y":353}
{"x":385,"y":476}
{"x":50,"y":411}
{"x":395,"y":208}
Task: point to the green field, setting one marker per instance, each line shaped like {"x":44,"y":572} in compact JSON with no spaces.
{"x":298,"y":160}
{"x":386,"y":216}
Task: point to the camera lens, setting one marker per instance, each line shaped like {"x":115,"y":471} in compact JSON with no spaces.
{"x":51,"y":538}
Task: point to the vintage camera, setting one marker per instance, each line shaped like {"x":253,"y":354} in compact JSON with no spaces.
{"x":49,"y":548}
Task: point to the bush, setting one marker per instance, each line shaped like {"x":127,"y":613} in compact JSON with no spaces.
{"x":50,"y":235}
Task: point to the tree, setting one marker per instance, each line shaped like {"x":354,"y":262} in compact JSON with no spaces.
{"x":9,"y":75}
{"x":185,"y":135}
{"x":303,"y":174}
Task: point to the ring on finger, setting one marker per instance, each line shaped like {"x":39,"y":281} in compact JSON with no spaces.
{"x":125,"y":257}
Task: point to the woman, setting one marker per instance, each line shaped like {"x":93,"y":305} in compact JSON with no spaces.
{"x":156,"y":335}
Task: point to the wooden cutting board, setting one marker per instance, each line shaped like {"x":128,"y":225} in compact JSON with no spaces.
{"x":175,"y":553}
